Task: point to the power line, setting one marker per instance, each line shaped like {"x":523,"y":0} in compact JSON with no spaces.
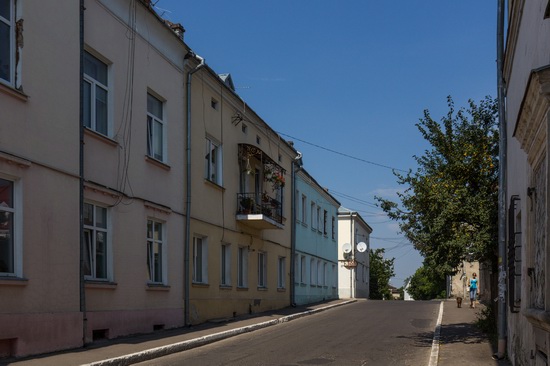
{"x":342,"y":154}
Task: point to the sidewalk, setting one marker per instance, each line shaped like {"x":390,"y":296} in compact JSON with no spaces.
{"x":460,"y":342}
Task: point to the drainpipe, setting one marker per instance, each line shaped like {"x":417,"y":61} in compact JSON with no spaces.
{"x":82,"y":288}
{"x":501,"y":321}
{"x":187,"y":243}
{"x":296,"y":166}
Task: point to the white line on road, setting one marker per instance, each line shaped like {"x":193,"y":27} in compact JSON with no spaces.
{"x":435,"y":343}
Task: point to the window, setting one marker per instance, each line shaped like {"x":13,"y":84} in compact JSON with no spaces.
{"x":312,"y":272}
{"x":213,"y":166}
{"x":333,"y":231}
{"x":325,"y":268}
{"x":96,"y":242}
{"x":244,"y":128}
{"x":200,"y":263}
{"x":304,"y":209}
{"x":333,"y":276}
{"x":313,"y":218}
{"x":226,"y":265}
{"x":281,"y":272}
{"x":325,"y":223}
{"x":8,"y":222}
{"x":319,"y":219}
{"x":7,"y":41}
{"x":262,"y":269}
{"x":155,"y":128}
{"x":214,"y":103}
{"x":95,"y":103}
{"x":514,"y":254}
{"x":303,"y":269}
{"x":155,"y":248}
{"x":258,"y":140}
{"x":296,"y":268}
{"x":242,"y":270}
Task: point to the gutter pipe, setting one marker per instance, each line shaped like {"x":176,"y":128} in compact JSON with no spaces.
{"x":501,"y":320}
{"x":296,"y":166}
{"x":82,"y":288}
{"x":187,"y":243}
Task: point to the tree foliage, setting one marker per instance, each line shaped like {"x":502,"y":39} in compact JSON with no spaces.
{"x":449,"y":209}
{"x":426,"y":284}
{"x":381,"y":270}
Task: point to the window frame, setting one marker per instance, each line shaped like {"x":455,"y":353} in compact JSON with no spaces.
{"x":11,"y":48}
{"x":313,"y":218}
{"x":303,"y":270}
{"x":281,"y":272}
{"x":94,"y":85}
{"x":91,"y":241}
{"x":152,"y":138}
{"x":16,"y":244}
{"x":225,"y":264}
{"x":160,"y":243}
{"x":242,"y":267}
{"x":213,"y":172}
{"x":200,"y":260}
{"x":262,"y":269}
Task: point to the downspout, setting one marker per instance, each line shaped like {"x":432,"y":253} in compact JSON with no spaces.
{"x":82,"y":287}
{"x":296,"y":166}
{"x":502,"y":162}
{"x":187,"y":243}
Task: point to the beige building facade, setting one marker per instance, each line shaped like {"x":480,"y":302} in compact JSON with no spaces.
{"x":527,"y":80}
{"x":111,"y":131}
{"x":241,"y":205}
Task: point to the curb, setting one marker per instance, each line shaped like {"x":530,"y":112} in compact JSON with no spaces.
{"x":201,"y":341}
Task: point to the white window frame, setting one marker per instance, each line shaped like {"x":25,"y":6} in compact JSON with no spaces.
{"x":303,"y":269}
{"x":319,"y":220}
{"x":225,"y":264}
{"x":313,"y":218}
{"x":297,"y":268}
{"x":94,"y":86}
{"x":281,"y":273}
{"x":156,"y":244}
{"x":304,"y":209}
{"x":92,"y":233}
{"x":200,"y":259}
{"x":156,"y":120}
{"x":242,"y":267}
{"x":16,"y":244}
{"x":333,"y":276}
{"x":312,"y":272}
{"x":262,"y":269}
{"x":213,"y":169}
{"x":11,"y":47}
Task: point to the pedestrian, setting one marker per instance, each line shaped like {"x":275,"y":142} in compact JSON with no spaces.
{"x":473,"y":290}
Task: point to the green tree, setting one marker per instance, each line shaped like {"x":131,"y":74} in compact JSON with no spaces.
{"x":381,"y":270}
{"x":449,"y":208}
{"x":427,"y":284}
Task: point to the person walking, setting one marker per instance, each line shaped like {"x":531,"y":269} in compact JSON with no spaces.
{"x":473,"y":290}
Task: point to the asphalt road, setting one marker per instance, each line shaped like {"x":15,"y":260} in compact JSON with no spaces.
{"x":363,"y":333}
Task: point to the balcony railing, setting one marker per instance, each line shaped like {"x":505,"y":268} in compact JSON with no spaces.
{"x":255,"y":204}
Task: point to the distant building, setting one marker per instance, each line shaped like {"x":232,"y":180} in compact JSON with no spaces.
{"x":353,"y":255}
{"x":316,"y":257}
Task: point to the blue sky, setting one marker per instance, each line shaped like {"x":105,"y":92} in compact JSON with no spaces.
{"x":351,"y":76}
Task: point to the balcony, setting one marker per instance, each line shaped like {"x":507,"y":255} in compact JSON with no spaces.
{"x":259,"y":211}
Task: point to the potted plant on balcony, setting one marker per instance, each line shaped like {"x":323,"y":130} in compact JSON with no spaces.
{"x":247,"y":205}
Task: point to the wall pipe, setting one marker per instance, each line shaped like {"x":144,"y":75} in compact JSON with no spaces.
{"x":296,"y":166}
{"x":501,"y":321}
{"x":187,"y":243}
{"x":82,"y":288}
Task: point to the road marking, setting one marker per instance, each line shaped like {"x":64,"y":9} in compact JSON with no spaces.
{"x":437,"y":334}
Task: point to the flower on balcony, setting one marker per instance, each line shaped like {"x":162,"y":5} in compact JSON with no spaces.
{"x":278,"y":180}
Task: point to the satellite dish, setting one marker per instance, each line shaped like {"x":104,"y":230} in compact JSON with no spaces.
{"x":361,"y":247}
{"x":346,"y":248}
